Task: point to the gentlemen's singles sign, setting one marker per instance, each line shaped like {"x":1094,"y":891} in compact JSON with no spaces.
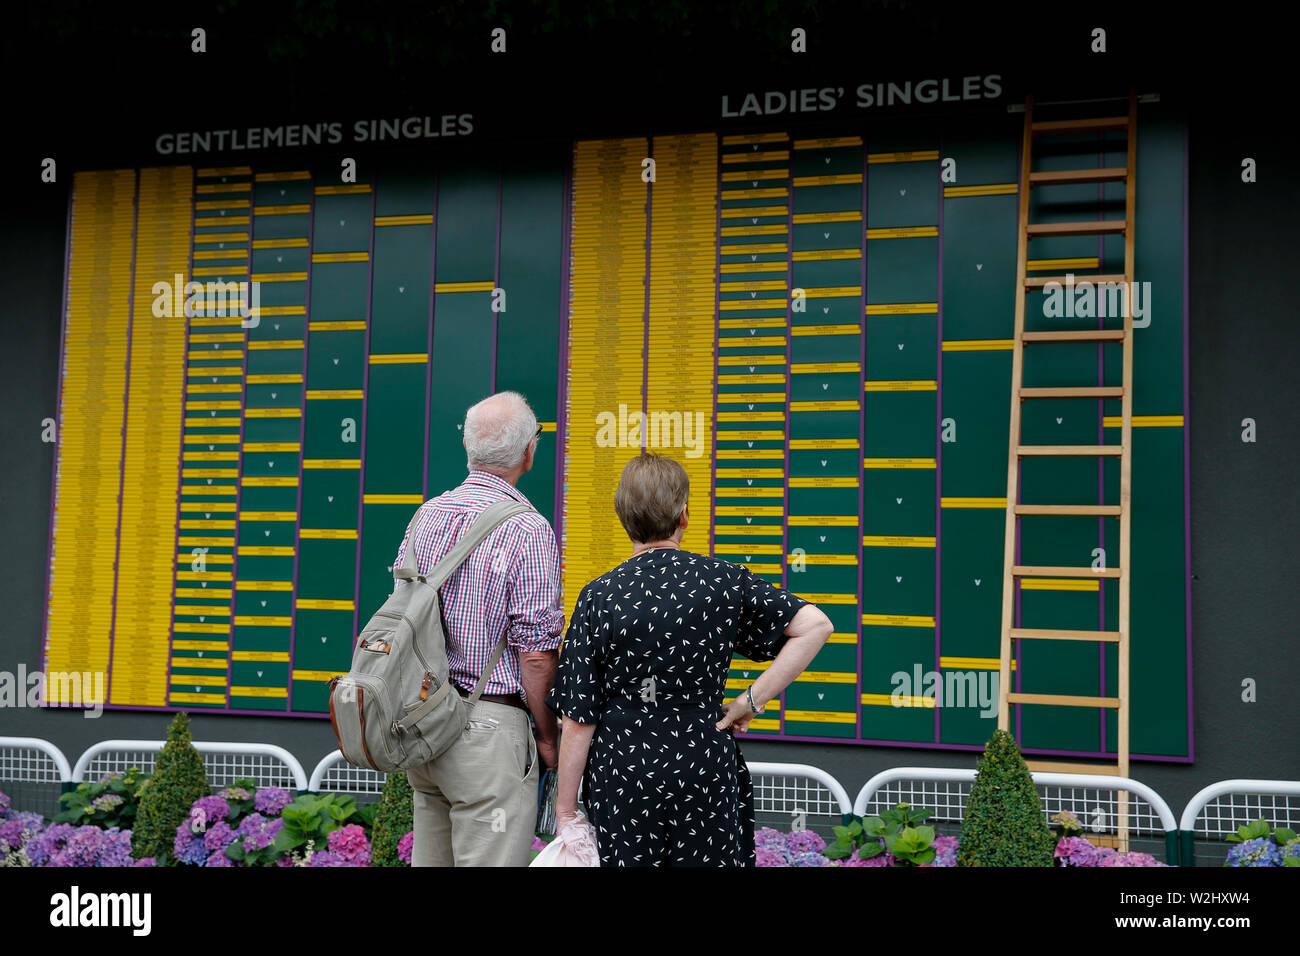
{"x":313,"y":134}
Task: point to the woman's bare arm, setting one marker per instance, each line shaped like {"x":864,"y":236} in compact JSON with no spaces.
{"x":575,"y":741}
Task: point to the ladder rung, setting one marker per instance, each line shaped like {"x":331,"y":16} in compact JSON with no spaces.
{"x":1047,"y":634}
{"x":1068,"y":450}
{"x":1068,"y":510}
{"x":1048,"y":571}
{"x":1062,"y":177}
{"x":1064,"y":700}
{"x":1075,"y":391}
{"x":1049,"y":127}
{"x":1051,"y":766}
{"x":1074,"y":335}
{"x":1089,"y":227}
{"x":1037,"y":282}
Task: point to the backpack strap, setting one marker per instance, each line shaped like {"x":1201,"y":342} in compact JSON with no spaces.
{"x":483,"y":525}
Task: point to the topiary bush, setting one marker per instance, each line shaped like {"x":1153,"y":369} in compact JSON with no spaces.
{"x":165,"y":798}
{"x":393,"y":820}
{"x":1004,"y":818}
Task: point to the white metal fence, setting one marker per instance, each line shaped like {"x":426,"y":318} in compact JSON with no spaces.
{"x":1096,"y":800}
{"x":1222,"y":807}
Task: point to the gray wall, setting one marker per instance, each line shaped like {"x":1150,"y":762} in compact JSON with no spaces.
{"x":1244,"y":360}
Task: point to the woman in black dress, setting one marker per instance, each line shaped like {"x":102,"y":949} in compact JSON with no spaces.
{"x":642,"y":679}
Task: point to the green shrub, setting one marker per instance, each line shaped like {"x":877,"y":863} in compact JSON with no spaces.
{"x":393,"y":820}
{"x":1004,"y":817}
{"x":165,"y":798}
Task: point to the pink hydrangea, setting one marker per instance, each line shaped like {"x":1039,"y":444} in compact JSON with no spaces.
{"x":407,"y":843}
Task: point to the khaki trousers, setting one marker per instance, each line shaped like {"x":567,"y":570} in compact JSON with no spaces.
{"x":476,"y":805}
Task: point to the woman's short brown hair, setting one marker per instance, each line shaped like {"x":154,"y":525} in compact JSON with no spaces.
{"x":651,"y":496}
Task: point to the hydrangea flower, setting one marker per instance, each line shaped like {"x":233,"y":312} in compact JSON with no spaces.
{"x":90,"y":846}
{"x":20,"y":829}
{"x":206,"y":811}
{"x":219,"y":858}
{"x":270,"y":800}
{"x":1257,"y":852}
{"x":804,"y":841}
{"x":5,"y":804}
{"x":349,"y":843}
{"x":407,"y":843}
{"x":187,"y":847}
{"x":107,"y":802}
{"x":1290,"y":848}
{"x":1067,"y":820}
{"x":218,"y":836}
{"x":48,"y":843}
{"x":1076,"y":851}
{"x":765,"y":857}
{"x":325,"y":858}
{"x":945,"y":851}
{"x":146,"y":861}
{"x":233,"y":793}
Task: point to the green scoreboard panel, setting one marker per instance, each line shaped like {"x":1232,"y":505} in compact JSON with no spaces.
{"x":817,"y":323}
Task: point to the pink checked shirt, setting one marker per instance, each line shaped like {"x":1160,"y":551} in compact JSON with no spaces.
{"x":510,"y":584}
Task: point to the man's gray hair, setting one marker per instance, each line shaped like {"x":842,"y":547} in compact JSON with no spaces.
{"x":497,"y":432}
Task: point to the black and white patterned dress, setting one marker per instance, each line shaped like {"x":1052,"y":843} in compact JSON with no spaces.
{"x":646,"y":658}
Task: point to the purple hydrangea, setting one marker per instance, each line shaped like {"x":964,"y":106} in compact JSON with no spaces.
{"x":19,"y":829}
{"x":1076,"y":851}
{"x":349,"y":843}
{"x":326,"y":858}
{"x":1260,"y":851}
{"x":1131,"y":859}
{"x":407,"y":843}
{"x":765,"y":857}
{"x":146,"y":861}
{"x":884,"y":859}
{"x":188,"y":847}
{"x":1290,"y":848}
{"x":945,"y":851}
{"x":218,"y":836}
{"x":270,"y":800}
{"x":206,"y":811}
{"x":5,"y":804}
{"x":804,"y":841}
{"x":219,"y":858}
{"x":48,"y":843}
{"x":91,"y":846}
{"x":258,"y":832}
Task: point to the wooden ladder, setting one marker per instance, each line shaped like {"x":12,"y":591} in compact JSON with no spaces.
{"x":1012,"y":571}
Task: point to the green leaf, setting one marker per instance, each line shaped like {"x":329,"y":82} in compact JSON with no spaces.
{"x":870,"y":850}
{"x":1291,"y":861}
{"x":1283,"y":834}
{"x":236,"y":850}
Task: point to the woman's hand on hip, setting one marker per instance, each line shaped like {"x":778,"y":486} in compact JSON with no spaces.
{"x":736,"y":716}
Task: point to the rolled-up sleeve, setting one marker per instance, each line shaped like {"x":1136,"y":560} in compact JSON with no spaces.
{"x":536,"y":622}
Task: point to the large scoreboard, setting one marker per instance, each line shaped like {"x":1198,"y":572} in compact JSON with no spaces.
{"x":816,"y":322}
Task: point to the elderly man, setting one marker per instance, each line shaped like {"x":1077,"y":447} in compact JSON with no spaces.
{"x":476,"y":804}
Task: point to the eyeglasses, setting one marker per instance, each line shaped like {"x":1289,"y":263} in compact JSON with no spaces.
{"x":538,"y":434}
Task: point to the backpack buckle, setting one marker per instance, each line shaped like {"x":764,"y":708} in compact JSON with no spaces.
{"x":424,"y":685}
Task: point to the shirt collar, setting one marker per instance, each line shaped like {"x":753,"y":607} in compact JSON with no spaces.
{"x":485,"y":479}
